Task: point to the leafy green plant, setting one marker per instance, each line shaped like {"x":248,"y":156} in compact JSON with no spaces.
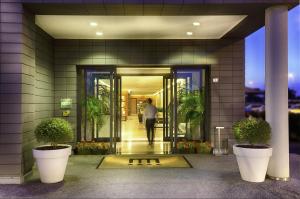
{"x":92,"y":148}
{"x":191,"y":107}
{"x":194,"y":147}
{"x":252,"y":130}
{"x":96,"y":110}
{"x":54,"y":131}
{"x":204,"y":148}
{"x":186,"y":147}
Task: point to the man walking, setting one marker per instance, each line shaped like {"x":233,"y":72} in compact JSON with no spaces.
{"x":149,"y":116}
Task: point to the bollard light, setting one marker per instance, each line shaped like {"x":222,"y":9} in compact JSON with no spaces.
{"x":220,"y":142}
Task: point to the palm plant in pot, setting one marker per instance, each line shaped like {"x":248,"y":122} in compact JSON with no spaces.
{"x":191,"y":112}
{"x":252,"y":153}
{"x":97,"y":111}
{"x":52,"y":158}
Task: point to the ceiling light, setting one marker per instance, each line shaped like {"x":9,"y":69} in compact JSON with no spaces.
{"x":93,"y":24}
{"x":99,"y":33}
{"x":189,"y":33}
{"x":196,"y":23}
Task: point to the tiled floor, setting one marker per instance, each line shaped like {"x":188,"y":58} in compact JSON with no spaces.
{"x":132,"y":130}
{"x":142,"y":147}
{"x":134,"y":139}
{"x":210,"y":177}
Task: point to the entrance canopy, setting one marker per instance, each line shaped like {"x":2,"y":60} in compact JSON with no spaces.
{"x":227,"y":19}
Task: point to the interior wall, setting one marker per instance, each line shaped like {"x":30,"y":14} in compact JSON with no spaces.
{"x":225,"y":57}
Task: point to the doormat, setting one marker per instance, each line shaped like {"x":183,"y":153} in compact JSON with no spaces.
{"x":143,"y":161}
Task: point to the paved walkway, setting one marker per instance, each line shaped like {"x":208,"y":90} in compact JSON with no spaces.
{"x":211,"y":177}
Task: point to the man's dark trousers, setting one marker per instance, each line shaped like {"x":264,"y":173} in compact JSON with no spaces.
{"x":150,"y":129}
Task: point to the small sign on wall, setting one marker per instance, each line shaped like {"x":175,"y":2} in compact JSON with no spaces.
{"x":66,"y":103}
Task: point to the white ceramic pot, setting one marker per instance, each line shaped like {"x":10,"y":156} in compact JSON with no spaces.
{"x":253,"y":162}
{"x":52,"y":163}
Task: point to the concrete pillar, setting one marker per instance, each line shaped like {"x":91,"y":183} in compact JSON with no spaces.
{"x":276,"y":22}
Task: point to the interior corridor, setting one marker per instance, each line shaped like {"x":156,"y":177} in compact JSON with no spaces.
{"x":134,"y":139}
{"x":135,"y":91}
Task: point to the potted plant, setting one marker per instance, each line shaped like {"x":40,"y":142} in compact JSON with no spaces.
{"x":52,"y":159}
{"x":191,"y":112}
{"x":252,"y":153}
{"x":97,"y":112}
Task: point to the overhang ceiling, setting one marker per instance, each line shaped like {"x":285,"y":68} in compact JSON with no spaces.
{"x":254,"y":9}
{"x":142,"y":85}
{"x":137,"y":27}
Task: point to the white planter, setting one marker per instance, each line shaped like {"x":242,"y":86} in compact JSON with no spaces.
{"x":52,"y":163}
{"x":253,"y":162}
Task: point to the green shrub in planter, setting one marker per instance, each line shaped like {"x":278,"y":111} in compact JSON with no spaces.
{"x":252,"y":130}
{"x":54,"y":131}
{"x":186,"y":147}
{"x":91,"y":148}
{"x":204,"y":148}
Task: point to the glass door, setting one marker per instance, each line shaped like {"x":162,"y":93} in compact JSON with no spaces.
{"x":100,"y":106}
{"x":189,"y":103}
{"x":116,"y":137}
{"x":168,"y":110}
{"x":185,"y":97}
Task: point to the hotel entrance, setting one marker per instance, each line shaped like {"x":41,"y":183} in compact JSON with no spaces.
{"x":112,"y":100}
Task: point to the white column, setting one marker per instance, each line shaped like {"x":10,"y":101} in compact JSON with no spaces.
{"x":276,"y":22}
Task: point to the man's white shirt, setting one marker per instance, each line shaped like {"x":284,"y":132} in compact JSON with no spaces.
{"x":149,"y":112}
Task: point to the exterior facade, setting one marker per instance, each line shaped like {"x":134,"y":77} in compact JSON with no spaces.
{"x":37,"y":70}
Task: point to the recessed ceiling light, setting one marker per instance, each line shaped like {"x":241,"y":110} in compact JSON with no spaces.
{"x":196,"y":23}
{"x":99,"y":33}
{"x":189,"y":33}
{"x":93,"y":24}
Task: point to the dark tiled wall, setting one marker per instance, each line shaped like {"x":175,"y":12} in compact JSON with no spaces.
{"x":39,"y":82}
{"x":26,"y":88}
{"x":11,"y":94}
{"x":225,"y":57}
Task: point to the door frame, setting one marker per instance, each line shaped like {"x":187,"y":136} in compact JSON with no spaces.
{"x":170,"y":127}
{"x":81,"y":71}
{"x":207,"y":94}
{"x":173,"y":70}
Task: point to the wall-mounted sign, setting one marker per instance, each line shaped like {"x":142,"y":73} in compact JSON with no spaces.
{"x":66,"y":103}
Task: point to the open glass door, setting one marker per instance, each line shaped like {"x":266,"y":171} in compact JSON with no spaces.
{"x":168,"y":110}
{"x":185,"y":97}
{"x":100,"y":106}
{"x":117,"y":112}
{"x":189,"y":103}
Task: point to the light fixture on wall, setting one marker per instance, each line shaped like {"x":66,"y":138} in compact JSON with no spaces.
{"x":215,"y":80}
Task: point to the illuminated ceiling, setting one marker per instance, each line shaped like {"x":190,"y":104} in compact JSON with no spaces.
{"x":142,"y":85}
{"x":137,"y":27}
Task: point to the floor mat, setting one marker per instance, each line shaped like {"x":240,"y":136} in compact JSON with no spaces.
{"x":143,"y":161}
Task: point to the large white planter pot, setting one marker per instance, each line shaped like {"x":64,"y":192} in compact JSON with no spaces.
{"x":52,"y":163}
{"x":253,"y":162}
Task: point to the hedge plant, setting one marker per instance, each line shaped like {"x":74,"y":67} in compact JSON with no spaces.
{"x":92,"y":148}
{"x":54,"y":131}
{"x":252,"y":130}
